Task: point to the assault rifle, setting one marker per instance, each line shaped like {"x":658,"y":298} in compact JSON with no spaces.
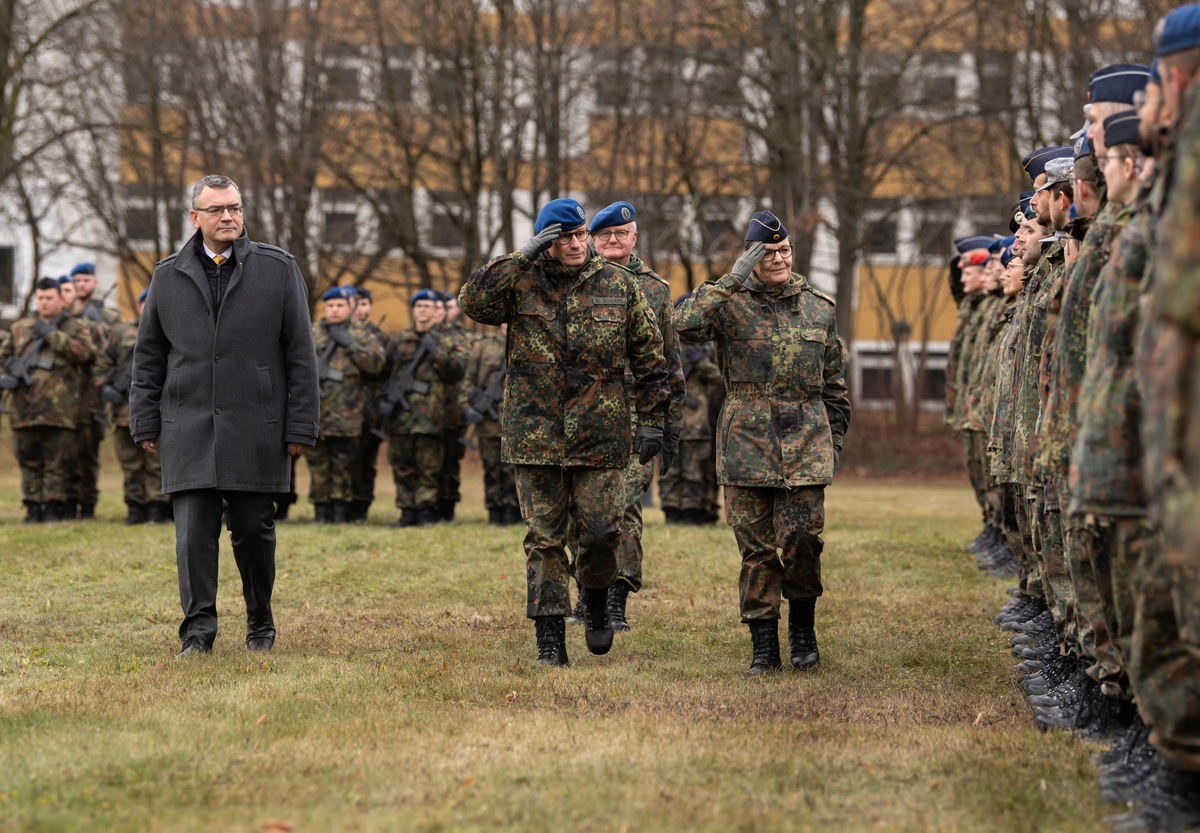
{"x":486,"y":403}
{"x":17,"y":368}
{"x":324,"y":371}
{"x":395,"y":393}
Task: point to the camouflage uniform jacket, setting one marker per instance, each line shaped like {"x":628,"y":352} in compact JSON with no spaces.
{"x":90,"y":403}
{"x":992,"y":364}
{"x":1041,"y":292}
{"x":1001,"y":436}
{"x":786,"y":406}
{"x":464,"y":341}
{"x":703,"y":378}
{"x":343,"y":401}
{"x":658,"y":295}
{"x":991,"y":307}
{"x":443,"y":367}
{"x":1060,"y":418}
{"x":372,"y":383}
{"x":571,"y":334}
{"x":965,"y":307}
{"x":106,"y":317}
{"x":116,"y":360}
{"x":483,"y":363}
{"x":1106,"y":459}
{"x":52,"y":400}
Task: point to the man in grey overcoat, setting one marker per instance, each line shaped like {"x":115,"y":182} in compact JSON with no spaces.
{"x":225,"y":386}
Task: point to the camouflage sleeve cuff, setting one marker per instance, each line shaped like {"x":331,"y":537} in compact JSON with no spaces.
{"x":648,"y":419}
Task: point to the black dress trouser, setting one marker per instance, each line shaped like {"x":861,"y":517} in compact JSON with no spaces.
{"x":251,"y":518}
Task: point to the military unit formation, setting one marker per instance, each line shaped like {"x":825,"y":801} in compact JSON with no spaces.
{"x":1073,"y":378}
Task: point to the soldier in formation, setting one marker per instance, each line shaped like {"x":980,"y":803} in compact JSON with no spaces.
{"x":1085,"y":377}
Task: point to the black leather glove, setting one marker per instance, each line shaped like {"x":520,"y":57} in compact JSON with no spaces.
{"x":541,"y":241}
{"x":473,"y":416}
{"x":340,"y":336}
{"x":111,"y":395}
{"x":430,"y":342}
{"x":746,"y":263}
{"x":837,"y":459}
{"x":672,"y":434}
{"x":9,"y":382}
{"x":43,"y":328}
{"x":647,"y":442}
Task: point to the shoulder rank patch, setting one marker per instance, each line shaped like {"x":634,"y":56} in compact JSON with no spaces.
{"x":821,"y":295}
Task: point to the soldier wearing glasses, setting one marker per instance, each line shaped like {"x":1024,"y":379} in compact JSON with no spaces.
{"x":575,"y":322}
{"x":780,"y":431}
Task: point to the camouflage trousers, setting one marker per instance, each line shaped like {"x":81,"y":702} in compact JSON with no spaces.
{"x":499,"y":483}
{"x":1031,"y":567}
{"x":83,"y":472}
{"x":778,"y":533}
{"x":712,"y":489}
{"x":1113,"y":548}
{"x":368,"y":461}
{"x":1015,"y":534}
{"x":684,"y":484}
{"x":629,"y":553}
{"x":1052,"y":564}
{"x":142,"y":470}
{"x":334,"y":469}
{"x":987,"y":494}
{"x":555,"y":500}
{"x":450,"y":479}
{"x":416,"y":464}
{"x":1164,"y":661}
{"x":44,"y":455}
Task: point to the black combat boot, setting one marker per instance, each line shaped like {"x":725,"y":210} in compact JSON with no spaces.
{"x":764,"y":634}
{"x":70,"y":510}
{"x":56,"y":510}
{"x":322,"y":513}
{"x":33,"y":512}
{"x":496,"y":516}
{"x":618,"y":594}
{"x":87,"y":511}
{"x":137,"y":513}
{"x":159,"y":513}
{"x":802,"y":637}
{"x":598,"y":634}
{"x":445,"y":510}
{"x":1170,"y":802}
{"x":428,"y":516}
{"x":408,"y":517}
{"x":361,"y":508}
{"x":551,"y":640}
{"x":577,"y":616}
{"x":339,"y":513}
{"x":512,"y":516}
{"x":695,"y":517}
{"x":674,"y":516}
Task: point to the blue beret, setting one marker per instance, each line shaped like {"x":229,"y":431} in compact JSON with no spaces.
{"x":363,"y":292}
{"x":1035,"y":163}
{"x":617,"y":214}
{"x":996,"y":245}
{"x":1178,"y":30}
{"x":1122,"y":129}
{"x":84,"y":269}
{"x":343,"y":292}
{"x":975,"y":241}
{"x":567,"y":212}
{"x":1083,"y":147}
{"x":425,"y":295}
{"x":447,"y":295}
{"x":1118,"y":83}
{"x":679,"y":301}
{"x":1006,"y":256}
{"x":143,"y":295}
{"x":765,"y":227}
{"x":66,"y":279}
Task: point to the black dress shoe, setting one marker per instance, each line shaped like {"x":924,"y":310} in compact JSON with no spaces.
{"x":260,"y":643}
{"x":193,"y":646}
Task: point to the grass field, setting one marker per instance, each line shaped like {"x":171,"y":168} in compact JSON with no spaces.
{"x":402,"y":694}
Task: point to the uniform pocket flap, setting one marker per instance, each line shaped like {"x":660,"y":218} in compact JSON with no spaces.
{"x":608,"y":313}
{"x":531,"y":306}
{"x":745,"y":332}
{"x":813,"y":334}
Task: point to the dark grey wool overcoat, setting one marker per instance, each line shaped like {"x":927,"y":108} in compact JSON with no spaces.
{"x":225,"y":393}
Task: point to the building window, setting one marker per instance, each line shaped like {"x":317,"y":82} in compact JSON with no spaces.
{"x":445,"y":222}
{"x":880,"y":237}
{"x":341,"y":228}
{"x":995,"y":72}
{"x":939,"y":79}
{"x":934,"y":388}
{"x":141,"y":225}
{"x":8,"y":274}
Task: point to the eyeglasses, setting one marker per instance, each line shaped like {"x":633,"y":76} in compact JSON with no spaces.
{"x":567,"y":236}
{"x":614,"y":234}
{"x":234,"y":210}
{"x":784,"y":253}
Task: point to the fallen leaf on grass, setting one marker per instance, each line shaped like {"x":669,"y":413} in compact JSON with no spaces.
{"x":261,"y":720}
{"x":276,"y":826}
{"x":691,"y":601}
{"x":307,"y":606}
{"x":512,"y":695}
{"x":867,"y":766}
{"x":934,"y":785}
{"x":979,"y":719}
{"x":445,"y":666}
{"x":517,"y":664}
{"x":470,"y":782}
{"x":151,"y":620}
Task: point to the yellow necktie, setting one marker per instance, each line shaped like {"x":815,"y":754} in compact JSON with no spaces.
{"x":219,"y":259}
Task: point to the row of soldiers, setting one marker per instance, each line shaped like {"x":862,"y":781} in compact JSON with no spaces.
{"x":1073,"y":379}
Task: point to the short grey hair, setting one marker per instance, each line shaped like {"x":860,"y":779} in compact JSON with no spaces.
{"x":213,"y":181}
